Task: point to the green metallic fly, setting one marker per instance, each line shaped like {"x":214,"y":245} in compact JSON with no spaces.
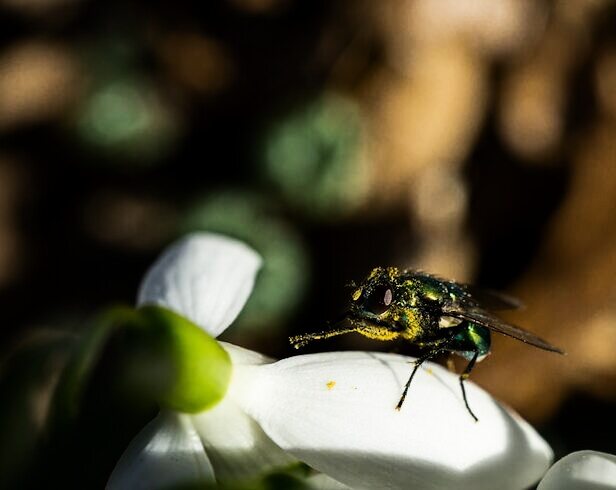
{"x":440,"y":316}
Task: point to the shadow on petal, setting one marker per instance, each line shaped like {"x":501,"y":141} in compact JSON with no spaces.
{"x":236,"y":445}
{"x":166,"y":453}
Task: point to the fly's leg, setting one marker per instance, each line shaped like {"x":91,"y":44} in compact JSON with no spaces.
{"x":418,"y":362}
{"x":465,"y":374}
{"x":298,"y":341}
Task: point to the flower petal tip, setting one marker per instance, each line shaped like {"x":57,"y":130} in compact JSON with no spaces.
{"x":205,"y":277}
{"x":588,"y":470}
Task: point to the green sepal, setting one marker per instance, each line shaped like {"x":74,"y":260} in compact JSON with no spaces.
{"x":194,"y":369}
{"x":87,"y":351}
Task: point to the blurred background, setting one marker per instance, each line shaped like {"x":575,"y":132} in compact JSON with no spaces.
{"x":475,"y":139}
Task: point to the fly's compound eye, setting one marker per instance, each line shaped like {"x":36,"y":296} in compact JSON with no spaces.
{"x":379,"y":300}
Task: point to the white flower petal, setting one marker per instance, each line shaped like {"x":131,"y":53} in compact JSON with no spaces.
{"x":167,"y":452}
{"x":335,"y":411}
{"x":244,"y":357}
{"x":236,"y":445}
{"x":238,"y":448}
{"x":204,"y":277}
{"x":583,"y":470}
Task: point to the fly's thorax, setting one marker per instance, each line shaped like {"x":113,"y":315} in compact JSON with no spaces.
{"x":414,"y":323}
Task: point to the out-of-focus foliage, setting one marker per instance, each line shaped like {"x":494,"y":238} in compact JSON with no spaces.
{"x":27,"y":383}
{"x":315,"y":156}
{"x":127,"y":118}
{"x":474,"y":139}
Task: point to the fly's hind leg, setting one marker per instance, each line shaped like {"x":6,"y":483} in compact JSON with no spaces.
{"x":465,"y":374}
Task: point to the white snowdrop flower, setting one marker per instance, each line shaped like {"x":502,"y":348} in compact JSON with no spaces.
{"x":333,"y":411}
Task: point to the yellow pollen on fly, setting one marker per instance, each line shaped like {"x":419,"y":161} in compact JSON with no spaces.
{"x":356,"y":294}
{"x":413,"y":326}
{"x":375,"y":272}
{"x":393,"y":272}
{"x":378,"y":333}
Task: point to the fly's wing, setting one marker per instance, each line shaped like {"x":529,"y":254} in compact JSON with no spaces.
{"x":485,"y":319}
{"x":492,"y":300}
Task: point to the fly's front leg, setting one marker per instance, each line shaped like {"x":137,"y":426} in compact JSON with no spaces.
{"x":298,"y":341}
{"x":418,"y":362}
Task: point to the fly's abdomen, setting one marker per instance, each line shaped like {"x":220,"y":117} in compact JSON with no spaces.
{"x":473,"y":338}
